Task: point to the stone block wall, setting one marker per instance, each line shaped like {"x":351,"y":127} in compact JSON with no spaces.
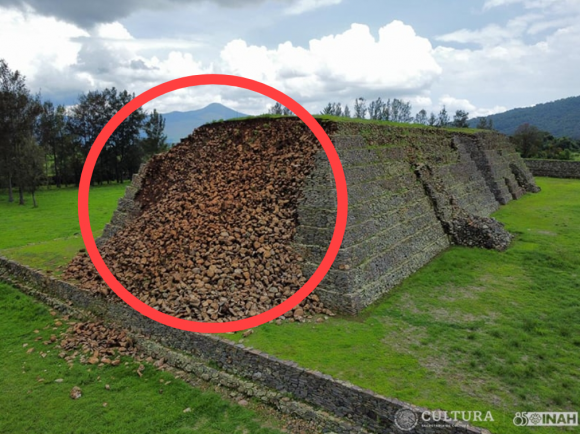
{"x":127,"y":208}
{"x":397,"y":221}
{"x":554,"y":168}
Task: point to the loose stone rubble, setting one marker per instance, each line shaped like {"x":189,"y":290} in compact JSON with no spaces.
{"x":95,"y":343}
{"x":213,"y":239}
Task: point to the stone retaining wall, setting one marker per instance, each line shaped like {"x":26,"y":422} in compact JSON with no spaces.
{"x":360,"y":409}
{"x":554,"y":168}
{"x":393,"y":228}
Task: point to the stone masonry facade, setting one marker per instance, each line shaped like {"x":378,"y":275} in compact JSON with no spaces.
{"x":412,"y":193}
{"x":554,"y":168}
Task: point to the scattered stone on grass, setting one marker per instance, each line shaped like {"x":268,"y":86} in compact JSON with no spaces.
{"x":76,"y":392}
{"x":95,"y":343}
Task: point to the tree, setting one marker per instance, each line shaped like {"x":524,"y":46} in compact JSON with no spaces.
{"x":121,"y":155}
{"x":485,"y":123}
{"x":30,"y":173}
{"x":443,"y":118}
{"x":566,"y":143}
{"x":432,"y":120}
{"x":528,"y":140}
{"x":460,"y":119}
{"x":276,"y":109}
{"x":126,"y":154}
{"x":155,"y":140}
{"x":87,"y":119}
{"x":376,"y":109}
{"x":386,"y":111}
{"x":421,"y":117}
{"x":346,"y":112}
{"x":327,"y":110}
{"x":332,"y":109}
{"x":360,"y":108}
{"x":401,"y":111}
{"x":18,"y":111}
{"x":51,"y":134}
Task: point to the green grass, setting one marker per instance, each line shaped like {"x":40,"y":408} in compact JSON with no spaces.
{"x":32,"y":402}
{"x":473,"y":330}
{"x":341,"y":119}
{"x":48,"y":237}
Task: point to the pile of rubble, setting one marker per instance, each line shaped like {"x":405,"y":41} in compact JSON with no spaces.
{"x":218,"y":214}
{"x":96,"y":343}
{"x":463,"y":228}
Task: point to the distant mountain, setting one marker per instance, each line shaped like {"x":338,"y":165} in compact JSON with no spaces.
{"x":561,"y":118}
{"x":180,"y":124}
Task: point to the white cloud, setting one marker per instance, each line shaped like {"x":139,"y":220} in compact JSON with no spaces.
{"x":87,"y":14}
{"x":453,"y":104}
{"x":302,"y":6}
{"x":489,"y":35}
{"x":530,"y":4}
{"x":113,"y":31}
{"x":29,"y":42}
{"x":513,"y":73}
{"x":490,"y":4}
{"x":532,"y":58}
{"x":349,"y":63}
{"x":420,"y":102}
{"x":60,"y":58}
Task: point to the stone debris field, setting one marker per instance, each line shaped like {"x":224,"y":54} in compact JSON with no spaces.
{"x":213,"y":238}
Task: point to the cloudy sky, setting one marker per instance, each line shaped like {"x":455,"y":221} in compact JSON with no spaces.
{"x":484,"y":56}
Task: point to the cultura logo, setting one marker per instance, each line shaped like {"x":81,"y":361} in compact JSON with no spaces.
{"x":546,"y":419}
{"x":463,"y":416}
{"x":406,"y":419}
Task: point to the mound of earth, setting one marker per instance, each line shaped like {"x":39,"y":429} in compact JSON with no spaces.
{"x":213,"y":238}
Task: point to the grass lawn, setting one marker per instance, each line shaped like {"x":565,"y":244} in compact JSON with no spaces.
{"x":48,"y":237}
{"x":32,"y":402}
{"x":473,"y":330}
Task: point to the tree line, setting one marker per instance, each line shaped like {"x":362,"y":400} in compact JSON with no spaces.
{"x":46,"y":144}
{"x":531,"y":142}
{"x":395,"y":110}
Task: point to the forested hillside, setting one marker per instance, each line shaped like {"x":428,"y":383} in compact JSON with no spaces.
{"x":560,"y":118}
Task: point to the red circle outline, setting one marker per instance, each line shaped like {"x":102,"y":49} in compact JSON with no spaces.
{"x":212,"y":327}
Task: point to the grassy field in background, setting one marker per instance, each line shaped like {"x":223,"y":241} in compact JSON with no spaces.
{"x":32,"y":402}
{"x":48,"y":237}
{"x":473,"y":330}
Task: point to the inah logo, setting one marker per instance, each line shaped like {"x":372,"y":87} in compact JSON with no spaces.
{"x":536,"y":418}
{"x":406,"y":419}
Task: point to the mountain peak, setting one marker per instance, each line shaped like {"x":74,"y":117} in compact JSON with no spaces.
{"x":181,"y":124}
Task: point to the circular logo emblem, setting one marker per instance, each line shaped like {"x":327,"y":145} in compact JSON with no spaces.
{"x":406,"y":419}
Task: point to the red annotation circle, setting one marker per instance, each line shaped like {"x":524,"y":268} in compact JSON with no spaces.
{"x":213,"y":327}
